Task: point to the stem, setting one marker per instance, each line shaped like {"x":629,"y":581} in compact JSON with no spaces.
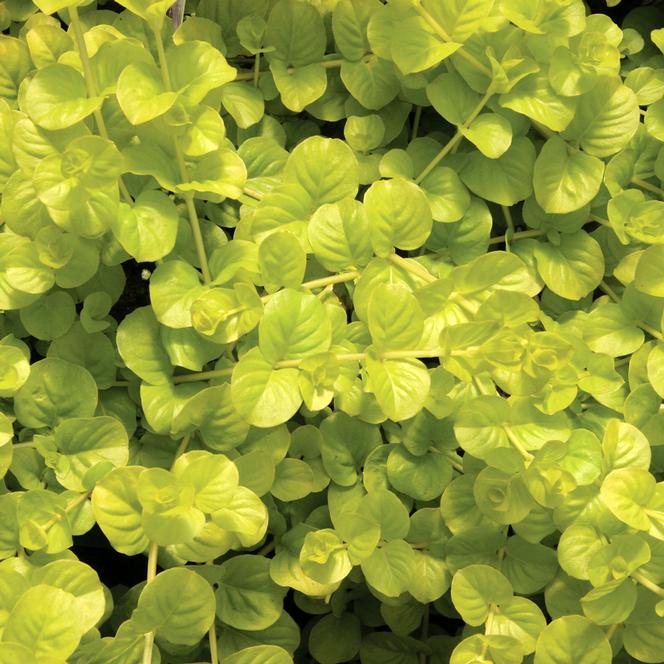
{"x":413,"y":267}
{"x":267,"y":548}
{"x":25,"y":445}
{"x":184,"y":176}
{"x":439,"y":30}
{"x":600,"y":220}
{"x":212,"y":638}
{"x":182,"y":448}
{"x":253,"y":193}
{"x":403,"y":354}
{"x":152,"y":573}
{"x":203,"y":375}
{"x":335,"y":279}
{"x":257,"y":69}
{"x":255,"y":73}
{"x":507,"y":213}
{"x":424,"y":634}
{"x":647,"y":583}
{"x":456,"y":138}
{"x":120,"y":383}
{"x":647,"y":186}
{"x":416,"y":122}
{"x":516,"y":444}
{"x":519,"y":235}
{"x":611,"y":631}
{"x":91,"y":85}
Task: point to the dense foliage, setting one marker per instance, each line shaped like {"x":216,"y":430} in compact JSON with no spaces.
{"x":401,"y":365}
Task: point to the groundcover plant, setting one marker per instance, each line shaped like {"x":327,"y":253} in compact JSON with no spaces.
{"x":398,"y":365}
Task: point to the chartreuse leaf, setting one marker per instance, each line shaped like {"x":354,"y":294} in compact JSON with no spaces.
{"x":399,"y":215}
{"x":247,"y":598}
{"x":475,"y":588}
{"x":178,"y":604}
{"x":572,"y":639}
{"x":117,"y":510}
{"x":395,"y":319}
{"x":56,"y":98}
{"x":45,"y":398}
{"x":260,"y":655}
{"x":339,"y":235}
{"x":572,"y":268}
{"x":46,"y":621}
{"x":565,"y":180}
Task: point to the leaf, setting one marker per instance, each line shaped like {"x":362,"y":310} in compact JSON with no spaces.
{"x":260,"y":655}
{"x":491,"y":133}
{"x":282,"y":260}
{"x":140,"y":347}
{"x":244,"y":103}
{"x":395,"y":319}
{"x":389,"y":568}
{"x":174,"y":286}
{"x":335,"y":639}
{"x":572,"y":269}
{"x":506,"y":180}
{"x":401,"y":386}
{"x":141,"y":93}
{"x":648,"y":277}
{"x":475,"y":588}
{"x":247,"y":598}
{"x":148,"y":229}
{"x":46,"y":399}
{"x":56,"y":98}
{"x":399,"y":215}
{"x":572,"y":639}
{"x":565,"y":180}
{"x":605,"y":120}
{"x":178,"y":604}
{"x":45,"y":620}
{"x":86,"y":445}
{"x":294,"y":325}
{"x":117,"y":510}
{"x":301,"y":86}
{"x":325,"y":168}
{"x":339,"y":235}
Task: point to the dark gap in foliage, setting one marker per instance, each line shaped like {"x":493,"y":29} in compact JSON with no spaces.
{"x":136,"y":291}
{"x":114,"y":568}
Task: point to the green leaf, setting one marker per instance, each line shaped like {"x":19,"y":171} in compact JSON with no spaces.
{"x":247,"y":598}
{"x":141,"y":93}
{"x":395,"y":319}
{"x":86,"y":447}
{"x":389,"y":568}
{"x":140,"y":347}
{"x":147,"y":230}
{"x":299,"y":87}
{"x":605,"y":120}
{"x":565,"y":180}
{"x":491,"y":133}
{"x":573,"y":268}
{"x":178,"y":604}
{"x":475,"y":588}
{"x":282,"y":260}
{"x":294,"y":325}
{"x":260,"y":655}
{"x":56,"y":98}
{"x":401,"y":386}
{"x":649,"y":275}
{"x":399,"y":215}
{"x":521,"y":619}
{"x":422,"y":477}
{"x":45,"y":620}
{"x":325,"y":168}
{"x":244,"y":103}
{"x":324,"y":557}
{"x":572,"y":639}
{"x":174,"y":286}
{"x":117,"y":510}
{"x":335,"y":639}
{"x":46,"y":398}
{"x":339,"y":235}
{"x":506,"y":180}
{"x":296,"y":32}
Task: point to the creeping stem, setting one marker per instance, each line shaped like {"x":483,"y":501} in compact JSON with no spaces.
{"x":91,"y":85}
{"x":184,"y":175}
{"x":152,"y":573}
{"x":656,"y":334}
{"x":456,"y":139}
